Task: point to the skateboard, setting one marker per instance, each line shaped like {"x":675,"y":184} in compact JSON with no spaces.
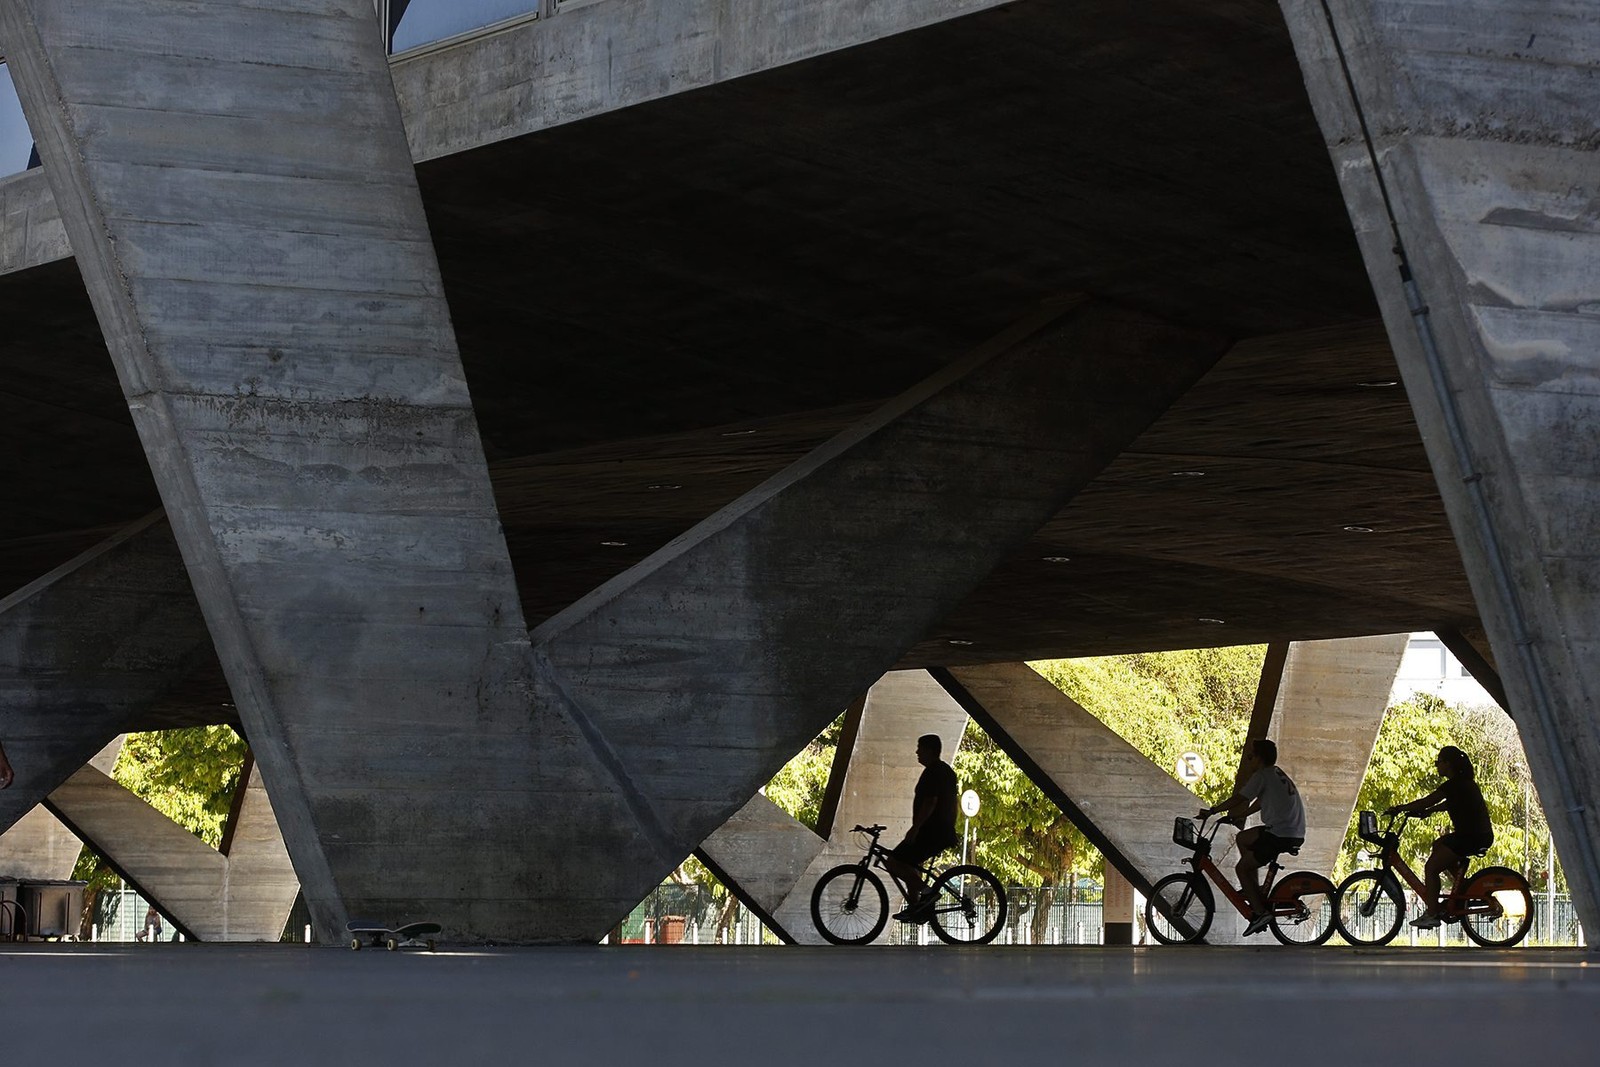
{"x":411,"y":935}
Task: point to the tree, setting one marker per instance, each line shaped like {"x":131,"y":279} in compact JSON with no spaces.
{"x":188,"y":775}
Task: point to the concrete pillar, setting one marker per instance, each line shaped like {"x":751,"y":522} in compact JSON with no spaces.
{"x":709,"y":664}
{"x":86,"y":649}
{"x":773,"y":862}
{"x":1110,"y":790}
{"x":1464,"y":135}
{"x":38,"y":845}
{"x":1329,"y":708}
{"x":242,"y":204}
{"x":242,"y":893}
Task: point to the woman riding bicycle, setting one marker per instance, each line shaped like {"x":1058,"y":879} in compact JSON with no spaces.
{"x":1470,"y":832}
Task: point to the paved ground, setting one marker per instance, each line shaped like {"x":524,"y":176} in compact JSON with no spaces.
{"x":215,"y":1004}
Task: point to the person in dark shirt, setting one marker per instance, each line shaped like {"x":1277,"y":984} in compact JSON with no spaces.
{"x":6,"y":773}
{"x":1470,"y":832}
{"x":933,"y":827}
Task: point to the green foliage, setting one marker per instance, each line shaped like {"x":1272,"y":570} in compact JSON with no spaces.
{"x":799,"y":787}
{"x":1168,"y":703}
{"x":188,"y":775}
{"x":1018,"y":833}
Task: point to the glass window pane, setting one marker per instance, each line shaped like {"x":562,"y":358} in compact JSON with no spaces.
{"x":433,"y":20}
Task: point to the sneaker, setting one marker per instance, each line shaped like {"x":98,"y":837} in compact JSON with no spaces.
{"x":1258,"y":924}
{"x":1426,"y":921}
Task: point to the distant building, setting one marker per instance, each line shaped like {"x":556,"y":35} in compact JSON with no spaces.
{"x":1428,"y":667}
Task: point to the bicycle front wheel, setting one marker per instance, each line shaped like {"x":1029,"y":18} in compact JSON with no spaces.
{"x":1498,"y":907}
{"x":849,"y":905}
{"x":1369,"y":909}
{"x":1179,"y":909}
{"x":1302,"y":908}
{"x":969,"y":906}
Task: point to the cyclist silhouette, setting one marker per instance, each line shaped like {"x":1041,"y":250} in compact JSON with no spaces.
{"x":933,"y":826}
{"x":1283,"y":823}
{"x":1471,"y":831}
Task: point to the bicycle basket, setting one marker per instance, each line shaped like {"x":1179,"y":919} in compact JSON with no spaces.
{"x":1369,"y":824}
{"x":1185,"y":833}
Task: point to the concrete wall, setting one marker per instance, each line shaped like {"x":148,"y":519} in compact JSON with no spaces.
{"x":1485,"y":146}
{"x":39,"y":845}
{"x":1329,"y":708}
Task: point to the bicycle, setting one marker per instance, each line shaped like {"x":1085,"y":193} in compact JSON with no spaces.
{"x":1181,"y":906}
{"x":1494,"y":906}
{"x":850,"y":905}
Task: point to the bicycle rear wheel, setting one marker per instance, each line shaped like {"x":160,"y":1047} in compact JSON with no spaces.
{"x":849,"y":905}
{"x":1499,"y":907}
{"x":969,"y":906}
{"x":1369,"y":909}
{"x":1179,"y":909}
{"x":1302,"y":908}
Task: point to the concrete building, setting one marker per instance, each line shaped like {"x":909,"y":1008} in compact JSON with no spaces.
{"x":560,"y":423}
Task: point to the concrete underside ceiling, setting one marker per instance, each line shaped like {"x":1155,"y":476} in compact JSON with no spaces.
{"x":659,"y":307}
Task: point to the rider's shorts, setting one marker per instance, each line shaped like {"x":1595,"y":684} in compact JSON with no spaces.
{"x":923,"y":849}
{"x":1269,"y":846}
{"x":1466,"y":844}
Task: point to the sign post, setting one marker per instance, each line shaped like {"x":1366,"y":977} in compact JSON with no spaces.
{"x":1190,"y":769}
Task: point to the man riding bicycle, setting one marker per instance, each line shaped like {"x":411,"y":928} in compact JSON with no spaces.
{"x":1283,"y":823}
{"x":933,"y":827}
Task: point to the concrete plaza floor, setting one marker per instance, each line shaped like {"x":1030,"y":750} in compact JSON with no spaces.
{"x":261,"y":1004}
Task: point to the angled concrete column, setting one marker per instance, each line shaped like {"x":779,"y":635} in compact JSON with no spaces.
{"x":709,"y":664}
{"x":774,"y":862}
{"x":1465,"y":134}
{"x":1110,"y":790}
{"x":242,"y":204}
{"x":85,"y":649}
{"x":39,"y":845}
{"x":241,"y":893}
{"x":1329,"y":708}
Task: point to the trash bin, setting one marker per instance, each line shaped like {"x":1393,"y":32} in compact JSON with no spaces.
{"x":53,"y":909}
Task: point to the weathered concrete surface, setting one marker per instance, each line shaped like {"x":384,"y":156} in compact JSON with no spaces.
{"x":1488,"y":150}
{"x":85,"y":650}
{"x":243,"y":894}
{"x":556,"y":70}
{"x":243,"y":206}
{"x":1330,"y":704}
{"x":708,"y":665}
{"x":38,"y":845}
{"x":1121,"y":801}
{"x":608,"y":56}
{"x":776,"y":860}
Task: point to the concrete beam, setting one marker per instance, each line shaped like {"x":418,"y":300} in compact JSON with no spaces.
{"x":1329,"y":708}
{"x":464,"y":94}
{"x":773,"y":861}
{"x":704,"y":668}
{"x":1465,"y":136}
{"x":85,"y":648}
{"x":39,"y":846}
{"x":244,"y":894}
{"x":1110,"y":790}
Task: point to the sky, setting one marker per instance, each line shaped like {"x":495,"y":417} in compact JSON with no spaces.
{"x":15,"y":141}
{"x":430,"y":20}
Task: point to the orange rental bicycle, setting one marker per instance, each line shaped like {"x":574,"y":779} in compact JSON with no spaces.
{"x":1181,"y":906}
{"x":1494,"y":906}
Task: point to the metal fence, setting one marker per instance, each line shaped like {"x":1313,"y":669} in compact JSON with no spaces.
{"x":695,"y":915}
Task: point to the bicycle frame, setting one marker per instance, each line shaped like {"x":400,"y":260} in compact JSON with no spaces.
{"x":876,"y":854}
{"x":1201,"y":862}
{"x":1452,"y":906}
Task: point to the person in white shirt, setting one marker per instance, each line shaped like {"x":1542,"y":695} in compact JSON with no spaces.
{"x":1283,"y":822}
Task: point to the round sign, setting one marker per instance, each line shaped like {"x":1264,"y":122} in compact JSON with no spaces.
{"x":1191,"y":768}
{"x":969,"y":803}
